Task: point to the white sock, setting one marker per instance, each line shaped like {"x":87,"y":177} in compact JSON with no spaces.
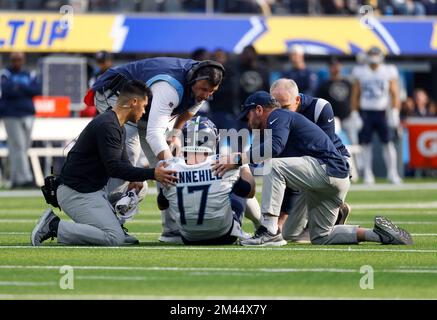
{"x":390,"y":158}
{"x":370,"y":235}
{"x":253,"y":211}
{"x":270,"y":222}
{"x":367,"y":157}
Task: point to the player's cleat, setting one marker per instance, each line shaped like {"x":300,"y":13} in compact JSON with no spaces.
{"x":343,"y":213}
{"x":391,"y":233}
{"x":43,"y":230}
{"x":128,"y":239}
{"x":264,"y":238}
{"x":171,"y":237}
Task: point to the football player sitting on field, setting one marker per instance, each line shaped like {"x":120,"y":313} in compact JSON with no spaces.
{"x":200,"y":202}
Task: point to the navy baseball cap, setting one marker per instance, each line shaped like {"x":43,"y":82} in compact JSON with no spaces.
{"x":262,"y":98}
{"x":103,"y":55}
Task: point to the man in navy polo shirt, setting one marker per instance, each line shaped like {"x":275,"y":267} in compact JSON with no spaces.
{"x":303,"y":159}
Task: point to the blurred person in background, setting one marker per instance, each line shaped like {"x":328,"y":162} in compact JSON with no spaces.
{"x":407,"y":7}
{"x":224,"y":104}
{"x":337,"y":90}
{"x":104,"y":61}
{"x":200,"y":54}
{"x":421,"y":104}
{"x":375,"y":92}
{"x":252,"y":74}
{"x":305,"y":78}
{"x":18,"y":87}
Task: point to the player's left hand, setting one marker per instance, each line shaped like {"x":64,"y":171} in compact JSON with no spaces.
{"x":224,"y":164}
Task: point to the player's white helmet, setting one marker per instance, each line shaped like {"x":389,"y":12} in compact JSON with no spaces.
{"x":375,"y":56}
{"x":200,"y":135}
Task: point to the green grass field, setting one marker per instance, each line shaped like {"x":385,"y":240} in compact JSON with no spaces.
{"x":158,"y":271}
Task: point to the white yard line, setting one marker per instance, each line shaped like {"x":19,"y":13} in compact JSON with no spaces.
{"x":26,"y":284}
{"x":137,"y":221}
{"x":230,"y":248}
{"x":354,"y":187}
{"x":398,"y":222}
{"x":211,"y":270}
{"x":158,"y":233}
{"x":401,"y":205}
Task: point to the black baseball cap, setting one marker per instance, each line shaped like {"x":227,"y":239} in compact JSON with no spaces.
{"x":261,"y":98}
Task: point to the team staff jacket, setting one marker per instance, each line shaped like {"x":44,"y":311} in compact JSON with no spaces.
{"x":321,"y":113}
{"x":171,"y":70}
{"x":99,"y":154}
{"x":293,"y":135}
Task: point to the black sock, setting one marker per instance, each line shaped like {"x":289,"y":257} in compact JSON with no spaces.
{"x":53,"y":225}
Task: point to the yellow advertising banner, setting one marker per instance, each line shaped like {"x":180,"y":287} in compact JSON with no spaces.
{"x":39,"y":32}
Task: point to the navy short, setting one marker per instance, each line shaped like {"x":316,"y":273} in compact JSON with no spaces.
{"x":374,"y":121}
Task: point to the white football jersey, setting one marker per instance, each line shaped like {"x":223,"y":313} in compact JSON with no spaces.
{"x":200,"y":201}
{"x":374,"y":86}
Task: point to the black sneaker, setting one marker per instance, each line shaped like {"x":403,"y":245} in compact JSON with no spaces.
{"x":391,"y":233}
{"x":264,"y":238}
{"x":343,"y":213}
{"x":42,"y":230}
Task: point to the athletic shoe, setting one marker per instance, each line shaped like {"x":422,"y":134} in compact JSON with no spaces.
{"x":173,"y":236}
{"x":369,"y":179}
{"x":390,"y":233}
{"x":264,"y":238}
{"x":128,"y":239}
{"x":396,"y":180}
{"x":42,"y":230}
{"x":343,"y":213}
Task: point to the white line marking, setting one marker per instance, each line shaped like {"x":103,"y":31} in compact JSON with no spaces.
{"x":111,"y":278}
{"x":26,"y":284}
{"x":139,"y":221}
{"x":354,"y":187}
{"x":158,"y":233}
{"x":142,"y":221}
{"x":408,"y":205}
{"x":233,"y":248}
{"x":212,"y":269}
{"x":391,"y":187}
{"x":398,"y":222}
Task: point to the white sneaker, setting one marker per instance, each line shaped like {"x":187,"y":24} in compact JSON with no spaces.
{"x":264,"y":238}
{"x":395,"y":180}
{"x":369,"y":179}
{"x":171,"y":237}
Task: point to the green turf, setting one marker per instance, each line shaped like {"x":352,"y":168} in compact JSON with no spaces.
{"x":154,"y":270}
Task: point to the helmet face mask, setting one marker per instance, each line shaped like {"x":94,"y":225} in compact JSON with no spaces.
{"x":200,"y":135}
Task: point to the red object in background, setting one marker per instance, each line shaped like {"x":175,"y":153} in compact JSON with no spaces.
{"x":52,"y":107}
{"x":90,"y":109}
{"x":422,"y":133}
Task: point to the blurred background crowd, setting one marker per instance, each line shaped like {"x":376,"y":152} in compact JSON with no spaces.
{"x":276,"y":7}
